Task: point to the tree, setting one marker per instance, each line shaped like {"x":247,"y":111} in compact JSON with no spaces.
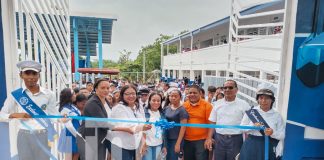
{"x":152,"y":53}
{"x":130,"y":69}
{"x":124,"y":57}
{"x":106,"y":64}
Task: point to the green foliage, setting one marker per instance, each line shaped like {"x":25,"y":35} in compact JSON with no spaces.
{"x":132,"y":70}
{"x":152,"y":53}
{"x":124,"y":57}
{"x":106,"y":64}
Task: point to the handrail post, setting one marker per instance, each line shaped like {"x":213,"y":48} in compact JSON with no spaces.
{"x":266,"y":147}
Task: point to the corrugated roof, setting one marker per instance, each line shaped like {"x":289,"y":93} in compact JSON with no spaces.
{"x":88,"y":31}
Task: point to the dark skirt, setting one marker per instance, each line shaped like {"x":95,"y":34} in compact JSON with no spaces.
{"x":253,"y":148}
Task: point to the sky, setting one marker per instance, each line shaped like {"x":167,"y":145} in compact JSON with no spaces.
{"x":140,"y":22}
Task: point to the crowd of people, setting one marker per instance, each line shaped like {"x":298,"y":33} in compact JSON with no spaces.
{"x":183,"y":105}
{"x":131,"y":102}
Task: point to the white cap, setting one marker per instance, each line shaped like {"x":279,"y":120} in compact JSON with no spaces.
{"x":173,"y":84}
{"x":268,"y":86}
{"x":29,"y":65}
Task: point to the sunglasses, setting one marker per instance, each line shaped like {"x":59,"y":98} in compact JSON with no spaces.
{"x":229,"y":87}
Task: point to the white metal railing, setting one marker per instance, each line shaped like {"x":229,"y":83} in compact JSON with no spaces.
{"x":240,"y":57}
{"x":44,"y":36}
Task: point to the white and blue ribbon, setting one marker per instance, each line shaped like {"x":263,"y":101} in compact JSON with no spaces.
{"x":164,"y":124}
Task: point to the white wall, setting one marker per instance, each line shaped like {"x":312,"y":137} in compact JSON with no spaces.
{"x":216,"y":57}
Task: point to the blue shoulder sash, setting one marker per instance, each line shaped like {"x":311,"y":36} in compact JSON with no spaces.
{"x":256,"y":117}
{"x":33,"y":110}
{"x":75,"y":122}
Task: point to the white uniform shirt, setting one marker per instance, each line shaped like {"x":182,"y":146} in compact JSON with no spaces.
{"x":108,"y":109}
{"x":273,"y":119}
{"x":142,"y":104}
{"x":151,"y":139}
{"x":69,"y":124}
{"x":124,"y":139}
{"x":228,"y":113}
{"x":44,"y":98}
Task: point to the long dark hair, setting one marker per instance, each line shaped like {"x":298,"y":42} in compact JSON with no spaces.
{"x":65,"y":98}
{"x":150,"y":98}
{"x":121,"y":95}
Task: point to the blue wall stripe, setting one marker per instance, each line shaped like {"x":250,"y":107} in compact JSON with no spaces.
{"x":4,"y":127}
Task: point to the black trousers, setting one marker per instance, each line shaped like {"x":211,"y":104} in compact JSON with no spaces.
{"x":227,"y":147}
{"x":195,"y":150}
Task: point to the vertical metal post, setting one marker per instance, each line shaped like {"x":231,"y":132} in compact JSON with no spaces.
{"x":100,"y":44}
{"x":180,"y":45}
{"x":144,"y":66}
{"x":229,"y":40}
{"x":266,"y":147}
{"x":167,"y":49}
{"x":137,"y":76}
{"x":162,"y":54}
{"x":162,"y":57}
{"x":191,"y":41}
{"x":76,"y":49}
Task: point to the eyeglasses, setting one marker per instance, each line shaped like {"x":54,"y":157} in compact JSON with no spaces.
{"x":229,"y":88}
{"x":130,"y":94}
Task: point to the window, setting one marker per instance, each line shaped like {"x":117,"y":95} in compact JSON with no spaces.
{"x":210,"y":73}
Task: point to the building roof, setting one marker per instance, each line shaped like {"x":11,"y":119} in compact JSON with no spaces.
{"x":88,"y":33}
{"x":225,"y":20}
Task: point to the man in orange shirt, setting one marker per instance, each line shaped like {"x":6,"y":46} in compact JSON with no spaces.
{"x":198,"y":110}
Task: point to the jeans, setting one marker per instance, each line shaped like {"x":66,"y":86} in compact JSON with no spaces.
{"x":171,"y":155}
{"x":152,"y":152}
{"x":118,"y":153}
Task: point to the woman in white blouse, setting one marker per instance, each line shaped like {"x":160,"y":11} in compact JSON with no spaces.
{"x":254,"y":144}
{"x":152,"y":146}
{"x":126,"y":137}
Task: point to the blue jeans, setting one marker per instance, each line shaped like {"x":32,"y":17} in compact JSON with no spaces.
{"x":152,"y":152}
{"x":171,"y":155}
{"x":121,"y":153}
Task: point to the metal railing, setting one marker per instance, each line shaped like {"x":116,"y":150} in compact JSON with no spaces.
{"x":240,"y":52}
{"x":43,"y":35}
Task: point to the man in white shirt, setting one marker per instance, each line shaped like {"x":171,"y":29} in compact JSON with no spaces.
{"x":227,"y":111}
{"x":33,"y":135}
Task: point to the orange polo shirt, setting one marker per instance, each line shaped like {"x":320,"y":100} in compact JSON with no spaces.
{"x":198,"y":114}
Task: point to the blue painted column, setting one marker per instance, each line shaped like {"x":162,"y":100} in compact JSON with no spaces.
{"x":76,"y":50}
{"x":306,"y":105}
{"x":100,"y":45}
{"x":4,"y":127}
